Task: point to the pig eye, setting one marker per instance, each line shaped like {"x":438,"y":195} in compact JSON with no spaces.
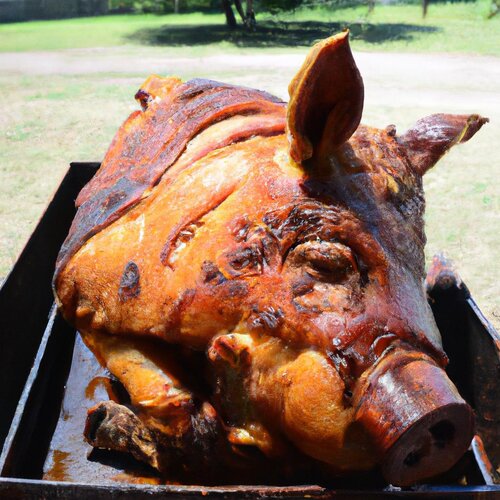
{"x":326,"y":261}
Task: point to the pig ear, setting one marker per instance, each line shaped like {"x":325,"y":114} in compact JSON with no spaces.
{"x":431,"y":137}
{"x":326,"y":99}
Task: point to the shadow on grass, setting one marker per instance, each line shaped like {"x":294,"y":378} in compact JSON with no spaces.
{"x":276,"y":34}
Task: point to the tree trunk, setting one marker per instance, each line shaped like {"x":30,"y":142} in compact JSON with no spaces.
{"x":230,"y":19}
{"x":176,"y":6}
{"x":250,"y":17}
{"x":425,"y":4}
{"x":371,"y":6}
{"x":239,"y":8}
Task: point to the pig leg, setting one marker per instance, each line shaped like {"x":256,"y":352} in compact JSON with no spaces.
{"x":165,"y":420}
{"x":112,"y":426}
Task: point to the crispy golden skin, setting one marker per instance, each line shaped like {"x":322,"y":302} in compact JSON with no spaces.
{"x":293,"y":259}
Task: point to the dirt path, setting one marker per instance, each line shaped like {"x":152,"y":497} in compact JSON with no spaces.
{"x":463,"y":199}
{"x":449,"y":80}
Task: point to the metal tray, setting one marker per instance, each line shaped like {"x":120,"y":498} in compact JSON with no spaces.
{"x":39,"y":356}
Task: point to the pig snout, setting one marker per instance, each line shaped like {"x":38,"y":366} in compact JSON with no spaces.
{"x":415,"y":416}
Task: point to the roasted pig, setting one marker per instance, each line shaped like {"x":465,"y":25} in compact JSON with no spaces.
{"x":252,"y":273}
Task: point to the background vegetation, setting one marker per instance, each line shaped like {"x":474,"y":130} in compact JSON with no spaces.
{"x":459,"y":27}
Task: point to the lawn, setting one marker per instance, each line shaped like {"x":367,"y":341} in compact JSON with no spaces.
{"x":456,"y":27}
{"x":65,"y":105}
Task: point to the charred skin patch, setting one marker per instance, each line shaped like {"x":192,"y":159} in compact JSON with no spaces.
{"x":257,"y":248}
{"x":302,"y":286}
{"x":130,"y":286}
{"x":309,"y":219}
{"x":144,"y":98}
{"x":236,"y":289}
{"x":245,"y":261}
{"x":230,"y":289}
{"x":266,"y":319}
{"x":210,"y":273}
{"x":240,"y":228}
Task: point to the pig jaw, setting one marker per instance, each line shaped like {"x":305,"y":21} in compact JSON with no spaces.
{"x":418,"y":422}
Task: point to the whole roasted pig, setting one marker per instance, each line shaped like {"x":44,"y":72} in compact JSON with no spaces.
{"x":252,"y":273}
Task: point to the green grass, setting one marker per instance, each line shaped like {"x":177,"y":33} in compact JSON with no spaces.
{"x":457,"y":27}
{"x":86,"y":32}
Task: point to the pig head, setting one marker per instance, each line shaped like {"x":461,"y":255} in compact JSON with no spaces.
{"x":286,"y":243}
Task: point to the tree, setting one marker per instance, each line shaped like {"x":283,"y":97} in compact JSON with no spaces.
{"x":425,"y":6}
{"x":228,"y":11}
{"x":494,"y":8}
{"x":248,"y":15}
{"x":275,"y":6}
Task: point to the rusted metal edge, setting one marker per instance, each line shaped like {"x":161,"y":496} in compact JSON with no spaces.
{"x":443,"y":275}
{"x":487,"y":470}
{"x":30,"y":488}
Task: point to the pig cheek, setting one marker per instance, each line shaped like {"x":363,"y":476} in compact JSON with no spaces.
{"x":313,"y":406}
{"x":211,"y":308}
{"x":315,"y":417}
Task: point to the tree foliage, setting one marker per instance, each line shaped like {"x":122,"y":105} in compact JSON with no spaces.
{"x":275,"y":6}
{"x":245,"y":6}
{"x":168,"y":6}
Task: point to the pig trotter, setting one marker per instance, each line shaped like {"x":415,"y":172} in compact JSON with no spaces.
{"x":112,"y":426}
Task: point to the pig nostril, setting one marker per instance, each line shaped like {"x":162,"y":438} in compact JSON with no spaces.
{"x":413,"y":458}
{"x":443,"y":433}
